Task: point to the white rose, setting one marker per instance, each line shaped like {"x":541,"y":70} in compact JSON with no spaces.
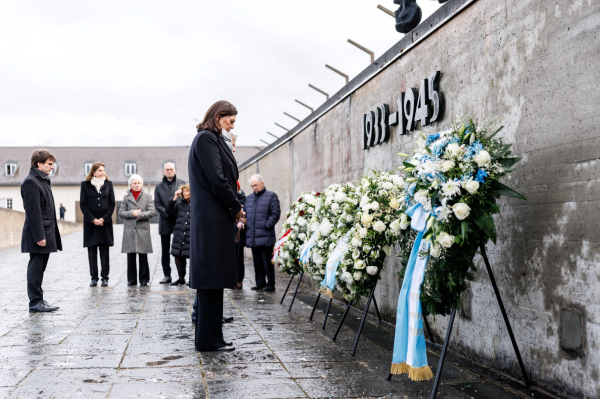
{"x":301,"y":206}
{"x":356,"y":242}
{"x":335,"y":206}
{"x":317,"y":258}
{"x":447,"y":165}
{"x":395,"y":226}
{"x":404,"y":223}
{"x":379,"y":226}
{"x":453,"y":149}
{"x":446,"y":240}
{"x":347,"y":277}
{"x":421,"y":196}
{"x":483,"y":158}
{"x":372,"y":270}
{"x":366,"y":219}
{"x":357,"y":275}
{"x":325,"y":227}
{"x":359,"y":264}
{"x":292,"y":236}
{"x":302,"y":236}
{"x":387,"y":185}
{"x":363,"y":232}
{"x":471,"y":186}
{"x":461,"y":210}
{"x":301,"y":221}
{"x":340,"y":196}
{"x":321,"y":243}
{"x":290,"y":245}
{"x":394,"y":204}
{"x":311,"y":200}
{"x":374,"y":205}
{"x":311,"y":210}
{"x":349,"y":217}
{"x":435,"y":250}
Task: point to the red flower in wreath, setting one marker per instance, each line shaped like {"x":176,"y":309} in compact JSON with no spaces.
{"x":301,"y":213}
{"x":317,"y":194}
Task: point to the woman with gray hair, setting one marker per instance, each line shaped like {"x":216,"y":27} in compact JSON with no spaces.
{"x":137,"y":209}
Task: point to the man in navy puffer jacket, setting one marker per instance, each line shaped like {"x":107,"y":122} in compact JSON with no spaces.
{"x":262,"y":213}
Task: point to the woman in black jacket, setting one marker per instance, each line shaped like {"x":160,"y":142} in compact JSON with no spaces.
{"x":179,"y":208}
{"x":240,"y":241}
{"x":215,"y":209}
{"x":97,"y":202}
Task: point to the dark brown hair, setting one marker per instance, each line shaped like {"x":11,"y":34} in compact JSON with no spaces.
{"x":41,"y":156}
{"x":93,"y":169}
{"x":216,"y":111}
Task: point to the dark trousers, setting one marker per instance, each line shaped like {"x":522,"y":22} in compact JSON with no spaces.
{"x":239,"y":262}
{"x":263,"y":267}
{"x":209,"y":320}
{"x":132,"y":268}
{"x":181,"y":264}
{"x":165,"y":244}
{"x":104,"y":261}
{"x":35,"y":276}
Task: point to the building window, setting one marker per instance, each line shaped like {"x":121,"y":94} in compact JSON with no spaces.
{"x":130,"y":168}
{"x":10,"y":168}
{"x":6,"y":203}
{"x":86,"y":168}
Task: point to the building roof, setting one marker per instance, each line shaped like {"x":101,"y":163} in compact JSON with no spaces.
{"x":71,"y":161}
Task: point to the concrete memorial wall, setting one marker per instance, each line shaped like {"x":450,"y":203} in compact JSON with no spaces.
{"x":532,"y":66}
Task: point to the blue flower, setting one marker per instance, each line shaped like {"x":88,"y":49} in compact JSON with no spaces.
{"x":432,"y":137}
{"x":481,"y":175}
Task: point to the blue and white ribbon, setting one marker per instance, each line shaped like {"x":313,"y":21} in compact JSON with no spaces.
{"x":305,"y":249}
{"x":335,"y":258}
{"x":410,"y":355}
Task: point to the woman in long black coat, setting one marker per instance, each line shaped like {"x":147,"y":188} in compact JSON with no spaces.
{"x":97,"y":202}
{"x":214,"y":209}
{"x":179,"y":209}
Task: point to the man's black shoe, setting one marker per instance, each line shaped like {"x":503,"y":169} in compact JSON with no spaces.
{"x":131,"y":284}
{"x":228,"y":343}
{"x":165,"y":280}
{"x":41,"y":307}
{"x":227,"y":320}
{"x":144,"y":284}
{"x":50,"y":306}
{"x":257,"y":287}
{"x":104,"y":282}
{"x":268,"y":288}
{"x":94,"y":282}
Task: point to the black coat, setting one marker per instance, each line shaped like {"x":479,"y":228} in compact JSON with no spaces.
{"x":180,"y":210}
{"x":97,"y":205}
{"x":263,"y":213}
{"x":241,"y":196}
{"x":40,"y":215}
{"x":214,"y":205}
{"x":163,"y":193}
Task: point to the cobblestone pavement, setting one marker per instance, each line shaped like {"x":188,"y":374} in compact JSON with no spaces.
{"x":129,"y":342}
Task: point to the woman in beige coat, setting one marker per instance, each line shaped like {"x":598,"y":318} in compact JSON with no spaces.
{"x":137,"y":209}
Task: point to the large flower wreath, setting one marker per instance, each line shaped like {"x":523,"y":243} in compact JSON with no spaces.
{"x":455,"y":176}
{"x":378,"y":224}
{"x":296,"y":229}
{"x":332,"y":220}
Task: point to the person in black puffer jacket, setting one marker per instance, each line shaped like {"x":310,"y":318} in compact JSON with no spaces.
{"x":179,"y":207}
{"x":263,"y":212}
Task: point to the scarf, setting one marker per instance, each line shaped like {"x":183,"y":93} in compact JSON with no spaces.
{"x":136,"y":194}
{"x":227,"y":139}
{"x":98,"y":182}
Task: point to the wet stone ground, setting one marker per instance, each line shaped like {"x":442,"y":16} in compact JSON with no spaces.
{"x":137,"y":342}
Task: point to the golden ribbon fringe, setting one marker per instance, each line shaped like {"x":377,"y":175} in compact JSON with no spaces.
{"x":414,"y":373}
{"x":326,"y":292}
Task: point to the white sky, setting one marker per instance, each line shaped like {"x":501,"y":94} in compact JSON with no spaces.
{"x":129,"y":73}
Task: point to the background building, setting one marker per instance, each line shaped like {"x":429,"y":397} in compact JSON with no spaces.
{"x":73,"y":164}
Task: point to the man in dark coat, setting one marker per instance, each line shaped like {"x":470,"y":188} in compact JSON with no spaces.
{"x":163,"y":193}
{"x":40,"y":230}
{"x":62,"y":211}
{"x":214,"y":209}
{"x":263,"y":212}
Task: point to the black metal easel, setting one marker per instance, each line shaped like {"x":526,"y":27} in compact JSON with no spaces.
{"x":362,"y":321}
{"x":438,"y":373}
{"x":295,"y":292}
{"x":326,"y":312}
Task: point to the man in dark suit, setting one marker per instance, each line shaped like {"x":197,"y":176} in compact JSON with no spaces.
{"x":163,"y":193}
{"x":40,"y":231}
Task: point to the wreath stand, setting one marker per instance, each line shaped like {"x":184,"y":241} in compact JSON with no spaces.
{"x":362,"y":321}
{"x":295,"y":292}
{"x":438,"y":373}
